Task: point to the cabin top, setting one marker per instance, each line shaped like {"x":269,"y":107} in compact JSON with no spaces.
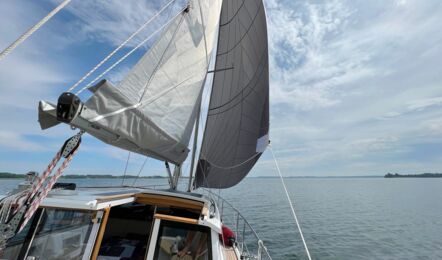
{"x":197,"y":205}
{"x":100,"y":198}
{"x":148,"y":224}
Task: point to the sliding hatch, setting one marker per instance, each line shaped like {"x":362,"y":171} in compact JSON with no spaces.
{"x":126,"y":232}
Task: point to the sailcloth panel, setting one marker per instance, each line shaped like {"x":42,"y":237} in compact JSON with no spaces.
{"x":154,"y":107}
{"x":238,"y":117}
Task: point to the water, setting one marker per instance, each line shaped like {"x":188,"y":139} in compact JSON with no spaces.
{"x":345,"y":218}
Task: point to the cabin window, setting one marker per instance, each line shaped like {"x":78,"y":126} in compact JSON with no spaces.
{"x":15,"y":244}
{"x":53,"y":234}
{"x":127,"y":232}
{"x":182,"y":241}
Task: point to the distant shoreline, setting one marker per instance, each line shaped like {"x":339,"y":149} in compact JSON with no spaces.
{"x":7,"y":175}
{"x":422,"y":175}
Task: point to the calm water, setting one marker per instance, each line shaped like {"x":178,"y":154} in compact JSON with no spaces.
{"x":345,"y":218}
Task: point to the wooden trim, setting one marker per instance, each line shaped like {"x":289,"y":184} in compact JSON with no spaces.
{"x":100,"y":234}
{"x":114,"y":197}
{"x":176,"y":219}
{"x":169,"y":201}
{"x":205,"y":211}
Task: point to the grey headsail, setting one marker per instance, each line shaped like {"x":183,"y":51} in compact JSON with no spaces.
{"x":153,"y":109}
{"x":238,"y":115}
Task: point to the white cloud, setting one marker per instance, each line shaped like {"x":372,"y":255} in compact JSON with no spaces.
{"x":114,"y":21}
{"x":355,"y":85}
{"x":14,"y":141}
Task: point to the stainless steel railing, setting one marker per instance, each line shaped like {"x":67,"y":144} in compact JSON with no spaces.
{"x":248,"y":242}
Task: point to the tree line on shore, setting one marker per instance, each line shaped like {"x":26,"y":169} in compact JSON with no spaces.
{"x":422,"y":175}
{"x":8,"y":175}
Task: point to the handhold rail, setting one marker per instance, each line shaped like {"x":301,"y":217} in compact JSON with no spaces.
{"x":262,"y":252}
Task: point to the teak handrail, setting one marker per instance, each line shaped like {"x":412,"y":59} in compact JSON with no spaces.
{"x":176,"y":219}
{"x":160,"y":200}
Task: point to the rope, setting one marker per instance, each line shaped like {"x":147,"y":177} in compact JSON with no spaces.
{"x":125,"y":168}
{"x":291,"y":205}
{"x":120,"y":46}
{"x":38,"y":193}
{"x":128,"y":54}
{"x":36,"y":202}
{"x":33,"y":29}
{"x":139,"y":172}
{"x":233,"y":166}
{"x":45,"y":174}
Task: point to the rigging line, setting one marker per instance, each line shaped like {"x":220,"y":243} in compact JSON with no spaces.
{"x":233,"y":166}
{"x":125,"y":168}
{"x":291,"y":204}
{"x":120,"y":46}
{"x":33,"y":29}
{"x":161,"y":58}
{"x":204,"y":33}
{"x":139,"y":172}
{"x":130,"y":52}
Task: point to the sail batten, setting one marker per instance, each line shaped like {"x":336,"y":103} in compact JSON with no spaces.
{"x":238,"y":115}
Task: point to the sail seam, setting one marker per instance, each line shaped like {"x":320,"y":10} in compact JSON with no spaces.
{"x":242,"y":37}
{"x":233,"y":17}
{"x":140,"y":104}
{"x":247,"y":86}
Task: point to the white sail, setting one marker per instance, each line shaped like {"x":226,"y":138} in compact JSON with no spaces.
{"x":153,"y":109}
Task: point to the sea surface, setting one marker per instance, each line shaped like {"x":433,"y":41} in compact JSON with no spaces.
{"x":341,"y":218}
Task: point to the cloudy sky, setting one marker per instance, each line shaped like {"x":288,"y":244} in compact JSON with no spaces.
{"x":356,"y":86}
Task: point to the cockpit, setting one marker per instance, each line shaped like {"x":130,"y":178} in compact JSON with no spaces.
{"x":146,"y":226}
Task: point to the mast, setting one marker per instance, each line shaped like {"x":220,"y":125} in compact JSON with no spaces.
{"x":210,"y":69}
{"x":195,"y":143}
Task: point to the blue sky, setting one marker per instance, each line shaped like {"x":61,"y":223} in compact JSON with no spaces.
{"x":356,"y":86}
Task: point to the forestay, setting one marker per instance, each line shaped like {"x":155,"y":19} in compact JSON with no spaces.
{"x":238,"y":116}
{"x":153,"y":109}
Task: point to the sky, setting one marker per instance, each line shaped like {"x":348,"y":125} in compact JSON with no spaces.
{"x":355,"y":86}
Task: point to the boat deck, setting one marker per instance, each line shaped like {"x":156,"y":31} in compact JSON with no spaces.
{"x":230,"y":254}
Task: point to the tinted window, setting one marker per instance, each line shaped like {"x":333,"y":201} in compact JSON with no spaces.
{"x":182,"y":241}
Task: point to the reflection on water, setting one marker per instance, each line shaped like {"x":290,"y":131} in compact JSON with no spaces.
{"x":343,"y":218}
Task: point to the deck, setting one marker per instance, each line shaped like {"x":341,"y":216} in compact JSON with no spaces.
{"x":230,"y":254}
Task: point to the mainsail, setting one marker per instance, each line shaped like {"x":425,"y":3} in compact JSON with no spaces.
{"x":238,"y":115}
{"x":153,"y":109}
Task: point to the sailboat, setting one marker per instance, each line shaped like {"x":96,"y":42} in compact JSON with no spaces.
{"x":154,"y":111}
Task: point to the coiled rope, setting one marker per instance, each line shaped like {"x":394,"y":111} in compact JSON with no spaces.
{"x":291,"y":205}
{"x":33,"y":29}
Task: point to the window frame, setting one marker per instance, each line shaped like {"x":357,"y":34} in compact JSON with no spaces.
{"x":159,"y":224}
{"x":36,"y":222}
